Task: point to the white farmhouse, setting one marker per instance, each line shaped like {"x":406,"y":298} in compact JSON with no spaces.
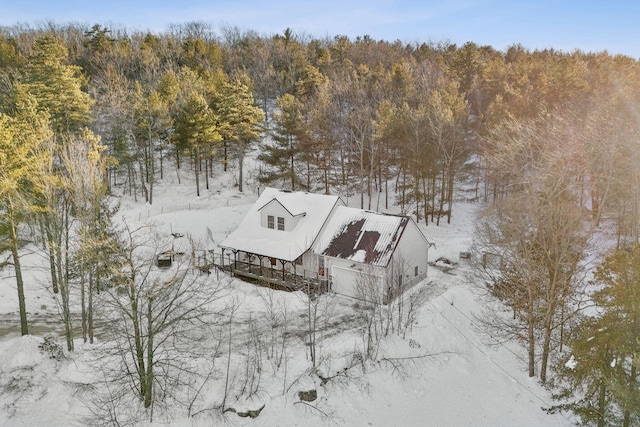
{"x":296,"y":240}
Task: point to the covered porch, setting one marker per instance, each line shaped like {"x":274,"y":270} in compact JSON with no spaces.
{"x":272,"y":272}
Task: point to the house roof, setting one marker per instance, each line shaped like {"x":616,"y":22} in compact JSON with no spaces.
{"x":292,"y":208}
{"x":361,"y":236}
{"x":313,"y":209}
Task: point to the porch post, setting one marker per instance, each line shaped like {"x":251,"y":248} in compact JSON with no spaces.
{"x":295,"y":273}
{"x":235,"y":260}
{"x":260,"y":261}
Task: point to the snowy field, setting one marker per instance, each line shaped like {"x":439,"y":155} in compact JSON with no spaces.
{"x":440,"y":374}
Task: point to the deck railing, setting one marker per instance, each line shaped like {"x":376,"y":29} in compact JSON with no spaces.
{"x":276,"y":277}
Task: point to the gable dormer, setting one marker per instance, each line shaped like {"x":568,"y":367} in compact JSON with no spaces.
{"x":275,"y":215}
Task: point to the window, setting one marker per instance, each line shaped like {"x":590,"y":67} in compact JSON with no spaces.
{"x":280,"y":223}
{"x":273,"y":260}
{"x":416,"y":271}
{"x":299,"y":260}
{"x":270,"y":223}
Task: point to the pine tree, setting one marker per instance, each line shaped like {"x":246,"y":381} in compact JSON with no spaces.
{"x":195,"y":129}
{"x":57,"y":86}
{"x":287,"y":134}
{"x":239,"y":119}
{"x":22,"y":137}
{"x":606,"y":349}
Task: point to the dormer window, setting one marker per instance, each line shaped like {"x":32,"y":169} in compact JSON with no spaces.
{"x":282,"y":215}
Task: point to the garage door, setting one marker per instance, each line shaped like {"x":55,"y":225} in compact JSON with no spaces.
{"x":346,"y":280}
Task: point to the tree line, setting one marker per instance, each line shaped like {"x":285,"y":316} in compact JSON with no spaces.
{"x":548,"y":139}
{"x":347,"y":116}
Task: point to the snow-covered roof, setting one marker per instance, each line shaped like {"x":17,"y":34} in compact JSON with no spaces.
{"x":361,"y":236}
{"x":291,"y":205}
{"x":313,"y":209}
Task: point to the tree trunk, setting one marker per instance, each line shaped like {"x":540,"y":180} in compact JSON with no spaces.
{"x":626,"y":414}
{"x":433,"y":195}
{"x":137,"y":338}
{"x":90,"y":309}
{"x":145,"y":190}
{"x":148,"y":396}
{"x":293,"y":174}
{"x":312,"y":317}
{"x":161,"y":162}
{"x":196,"y":167}
{"x":531,"y":337}
{"x":361,"y":178}
{"x":425,"y":201}
{"x":65,"y":231}
{"x":403,"y":198}
{"x":442,"y":196}
{"x":602,"y":403}
{"x":450,"y":196}
{"x":59,"y":231}
{"x":152,"y":176}
{"x":83,"y":308}
{"x":546,"y":344}
{"x":225,"y":159}
{"x":206,"y":173}
{"x":240,"y":167}
{"x":66,"y":314}
{"x":52,"y":258}
{"x":386,"y":191}
{"x":326,"y":176}
{"x":554,"y":292}
{"x":308,"y":172}
{"x":13,"y":241}
{"x":416,"y":195}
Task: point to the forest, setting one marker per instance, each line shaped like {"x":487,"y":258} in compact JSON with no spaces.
{"x":548,"y":142}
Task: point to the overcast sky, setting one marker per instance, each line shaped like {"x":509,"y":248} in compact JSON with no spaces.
{"x":537,"y":24}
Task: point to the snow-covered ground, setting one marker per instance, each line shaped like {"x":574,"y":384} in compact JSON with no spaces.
{"x":440,"y":374}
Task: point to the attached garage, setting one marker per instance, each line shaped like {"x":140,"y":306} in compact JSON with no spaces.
{"x":370,"y":254}
{"x":348,"y":281}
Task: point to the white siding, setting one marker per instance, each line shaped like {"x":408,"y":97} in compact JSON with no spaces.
{"x":347,"y":277}
{"x":275,"y":209}
{"x":411,"y":252}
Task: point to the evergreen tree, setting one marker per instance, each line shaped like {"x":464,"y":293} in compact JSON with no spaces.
{"x":57,"y":86}
{"x":22,"y":138}
{"x":280,"y":157}
{"x":195,"y":129}
{"x":239,"y":119}
{"x":606,"y":350}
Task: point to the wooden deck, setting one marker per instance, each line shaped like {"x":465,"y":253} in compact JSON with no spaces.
{"x":275,"y":278}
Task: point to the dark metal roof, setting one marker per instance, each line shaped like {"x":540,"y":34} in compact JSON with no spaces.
{"x":366,"y":237}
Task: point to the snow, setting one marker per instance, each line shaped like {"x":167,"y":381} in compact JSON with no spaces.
{"x":251,"y":237}
{"x":388,"y":227}
{"x":448,"y":375}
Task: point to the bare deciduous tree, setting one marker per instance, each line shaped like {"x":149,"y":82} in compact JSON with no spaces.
{"x":539,"y":231}
{"x":156,"y":317}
